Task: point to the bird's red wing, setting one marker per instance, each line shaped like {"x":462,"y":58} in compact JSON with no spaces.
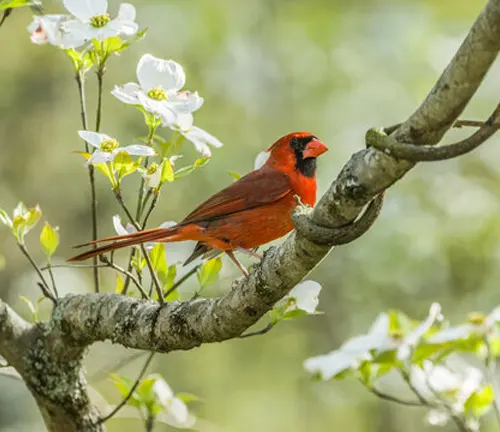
{"x":257,"y":188}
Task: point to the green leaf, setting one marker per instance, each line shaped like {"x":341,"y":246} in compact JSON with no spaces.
{"x":24,"y":220}
{"x":168,"y":282}
{"x":138,"y":36}
{"x":365,"y":373}
{"x":479,"y":402}
{"x":209,"y":272}
{"x":7,"y":4}
{"x":32,"y":308}
{"x":119,"y":284}
{"x":102,"y":167}
{"x":184,"y":171}
{"x":234,"y":175}
{"x":124,"y":165}
{"x":294,"y":314}
{"x":5,"y":219}
{"x":187,"y":397}
{"x":167,"y":171}
{"x":159,"y":259}
{"x":49,"y":239}
{"x":112,"y":45}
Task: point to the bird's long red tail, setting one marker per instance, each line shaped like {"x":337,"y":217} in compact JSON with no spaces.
{"x":176,"y":233}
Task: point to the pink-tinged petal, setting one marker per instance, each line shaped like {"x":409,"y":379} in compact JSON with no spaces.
{"x":120,"y":229}
{"x":138,"y":150}
{"x":127,"y":93}
{"x":186,"y":101}
{"x":86,"y":9}
{"x":153,"y":72}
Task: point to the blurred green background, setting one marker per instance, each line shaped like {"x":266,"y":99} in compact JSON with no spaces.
{"x":265,"y":68}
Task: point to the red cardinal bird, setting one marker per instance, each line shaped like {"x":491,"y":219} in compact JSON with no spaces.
{"x":252,"y":211}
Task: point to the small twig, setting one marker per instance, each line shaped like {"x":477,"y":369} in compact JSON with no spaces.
{"x":121,"y":270}
{"x":130,"y":393}
{"x":100,"y":374}
{"x":389,"y":397}
{"x":52,"y":279}
{"x":381,"y":140}
{"x":182,"y":280}
{"x":154,"y":276}
{"x":150,"y":210}
{"x":100,"y":80}
{"x":6,"y":14}
{"x":150,"y":423}
{"x":44,"y":286}
{"x":468,"y":123}
{"x":89,"y":266}
{"x":80,"y":80}
{"x":258,"y":332}
{"x":456,"y":419}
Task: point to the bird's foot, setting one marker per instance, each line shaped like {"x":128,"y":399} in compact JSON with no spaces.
{"x":250,"y":252}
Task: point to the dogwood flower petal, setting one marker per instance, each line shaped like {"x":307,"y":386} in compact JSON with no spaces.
{"x":120,"y":229}
{"x":100,"y":157}
{"x":153,"y":72}
{"x":306,"y":295}
{"x":127,"y":93}
{"x":86,"y":9}
{"x":138,"y":150}
{"x":261,"y":159}
{"x":95,"y":139}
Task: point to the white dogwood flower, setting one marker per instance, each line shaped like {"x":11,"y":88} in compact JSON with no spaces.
{"x":158,"y":90}
{"x":51,"y":29}
{"x":199,"y":137}
{"x":107,"y":148}
{"x":93,"y":21}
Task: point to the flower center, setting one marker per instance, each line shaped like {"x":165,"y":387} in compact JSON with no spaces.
{"x":109,"y":145}
{"x":99,"y":21}
{"x":396,"y":334}
{"x":152,"y":168}
{"x":476,"y":318}
{"x":157,"y":94}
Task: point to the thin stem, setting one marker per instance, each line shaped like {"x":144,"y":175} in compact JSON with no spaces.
{"x":126,"y":273}
{"x":80,"y":79}
{"x":154,"y":276}
{"x":44,"y":286}
{"x":182,"y":280}
{"x":150,"y":423}
{"x":52,"y":279}
{"x":150,"y":210}
{"x":258,"y":332}
{"x":389,"y":397}
{"x":102,"y":374}
{"x":130,"y":393}
{"x":6,"y":14}
{"x":100,"y":81}
{"x":462,"y":427}
{"x":468,"y":123}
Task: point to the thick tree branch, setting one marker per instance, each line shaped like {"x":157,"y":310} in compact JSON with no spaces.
{"x":49,"y":356}
{"x":84,"y":319}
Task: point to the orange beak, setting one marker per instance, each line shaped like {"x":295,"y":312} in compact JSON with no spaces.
{"x":314,"y":149}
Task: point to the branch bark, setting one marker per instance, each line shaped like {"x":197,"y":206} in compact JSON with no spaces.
{"x":48,"y":356}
